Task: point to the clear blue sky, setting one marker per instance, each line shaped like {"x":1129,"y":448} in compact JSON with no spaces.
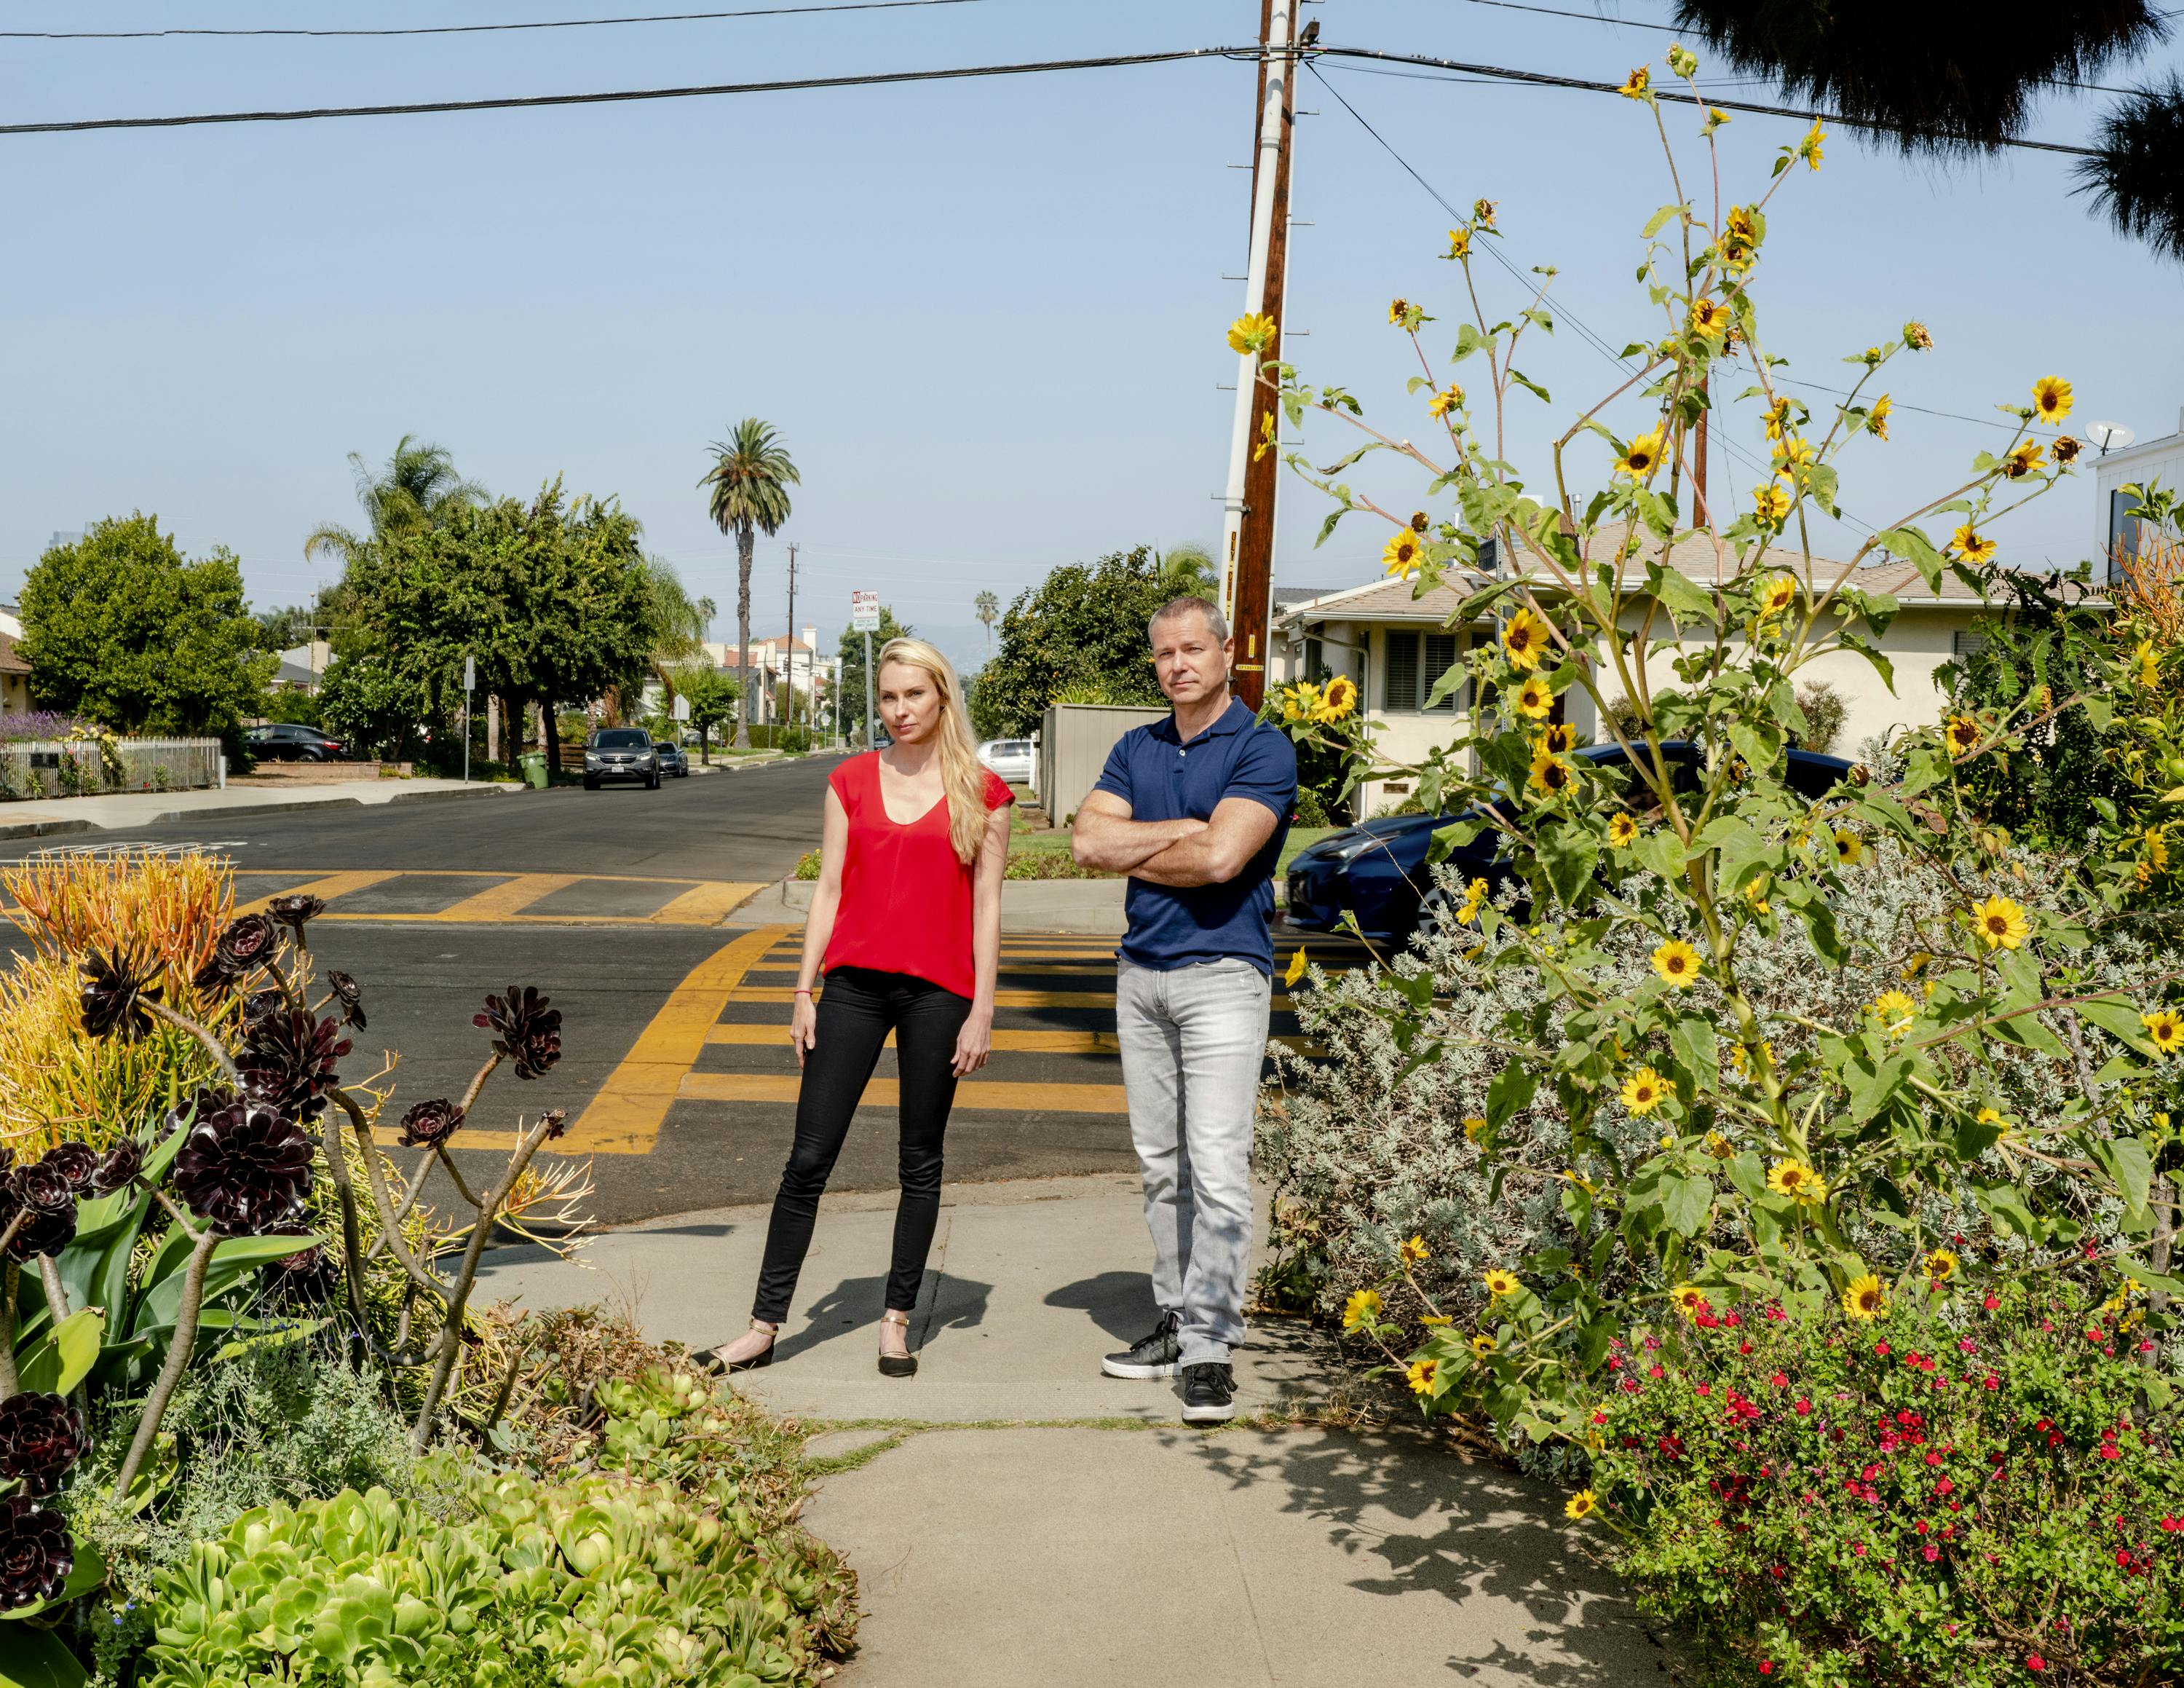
{"x":986,"y":316}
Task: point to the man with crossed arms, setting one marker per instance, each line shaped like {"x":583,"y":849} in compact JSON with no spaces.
{"x":1194,"y":809}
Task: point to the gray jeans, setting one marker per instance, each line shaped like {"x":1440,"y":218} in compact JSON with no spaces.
{"x":1192,"y":1039}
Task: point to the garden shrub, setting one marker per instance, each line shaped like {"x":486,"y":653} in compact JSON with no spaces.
{"x":1825,"y":712}
{"x":1966,"y":1488}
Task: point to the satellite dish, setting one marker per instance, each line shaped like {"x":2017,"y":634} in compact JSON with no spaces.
{"x":2110,"y":436}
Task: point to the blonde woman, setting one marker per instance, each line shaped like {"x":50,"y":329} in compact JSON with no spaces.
{"x":906,"y":923}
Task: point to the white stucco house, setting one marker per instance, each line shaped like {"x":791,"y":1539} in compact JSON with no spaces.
{"x":1396,"y":646}
{"x":2141,"y":464}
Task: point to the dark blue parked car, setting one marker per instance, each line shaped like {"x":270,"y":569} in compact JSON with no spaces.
{"x":1378,"y":868}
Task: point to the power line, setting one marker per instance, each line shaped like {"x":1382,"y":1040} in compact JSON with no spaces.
{"x":620,"y":96}
{"x":472,"y":29}
{"x":1585,"y":85}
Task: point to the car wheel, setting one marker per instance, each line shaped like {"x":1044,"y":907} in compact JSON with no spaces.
{"x":591,"y":783}
{"x":652,"y":782}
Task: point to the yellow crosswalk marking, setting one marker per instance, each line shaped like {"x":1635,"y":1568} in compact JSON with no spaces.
{"x":708,"y":903}
{"x":511,"y":897}
{"x":626,"y":1117}
{"x":980,"y":1093}
{"x":1042,"y":1043}
{"x":326,"y":887}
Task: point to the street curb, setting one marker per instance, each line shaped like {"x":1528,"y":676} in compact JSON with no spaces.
{"x":45,"y":828}
{"x":497,"y":788}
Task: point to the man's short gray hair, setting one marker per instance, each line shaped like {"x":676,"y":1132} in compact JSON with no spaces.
{"x":1215,"y":622}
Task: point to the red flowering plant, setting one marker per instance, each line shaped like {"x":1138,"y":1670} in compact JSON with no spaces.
{"x":1943,"y":1487}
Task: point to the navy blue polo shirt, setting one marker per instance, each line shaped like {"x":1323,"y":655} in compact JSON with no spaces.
{"x":1161,"y":777}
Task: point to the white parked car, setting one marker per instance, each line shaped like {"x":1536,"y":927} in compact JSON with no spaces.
{"x":1010,"y":759}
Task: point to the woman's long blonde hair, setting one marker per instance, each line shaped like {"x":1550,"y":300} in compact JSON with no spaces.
{"x":962,"y":776}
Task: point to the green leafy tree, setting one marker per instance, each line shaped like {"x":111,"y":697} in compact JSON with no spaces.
{"x":1079,"y":635}
{"x":749,"y":481}
{"x":711,"y":694}
{"x":119,"y":626}
{"x":852,"y":652}
{"x":417,"y":488}
{"x":552,"y":599}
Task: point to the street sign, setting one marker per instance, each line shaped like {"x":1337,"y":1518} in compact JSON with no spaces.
{"x":681,"y":709}
{"x":470,"y":673}
{"x":865,"y":612}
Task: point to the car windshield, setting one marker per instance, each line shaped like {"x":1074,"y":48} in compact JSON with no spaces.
{"x":663,"y":744}
{"x":622,"y":738}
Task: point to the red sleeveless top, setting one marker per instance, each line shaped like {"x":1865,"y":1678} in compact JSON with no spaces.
{"x":906,"y":903}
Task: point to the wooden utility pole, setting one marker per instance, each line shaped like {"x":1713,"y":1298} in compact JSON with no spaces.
{"x":1700,"y":516}
{"x":1247,"y":551}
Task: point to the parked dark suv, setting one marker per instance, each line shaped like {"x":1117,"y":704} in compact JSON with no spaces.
{"x":287,"y":741}
{"x":620,"y":753}
{"x":1378,"y":870}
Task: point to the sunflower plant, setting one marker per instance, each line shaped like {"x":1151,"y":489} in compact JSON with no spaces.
{"x":1794,"y":1152}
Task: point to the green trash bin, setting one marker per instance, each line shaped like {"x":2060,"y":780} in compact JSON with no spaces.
{"x":533,"y":764}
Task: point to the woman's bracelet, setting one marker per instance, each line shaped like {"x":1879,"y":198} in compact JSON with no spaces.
{"x":801,"y":990}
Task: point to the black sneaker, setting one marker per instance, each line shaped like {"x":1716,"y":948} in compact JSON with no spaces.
{"x":1156,"y":1355}
{"x":1209,"y":1394}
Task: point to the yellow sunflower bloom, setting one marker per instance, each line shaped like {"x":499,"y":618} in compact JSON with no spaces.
{"x":1295,"y":970}
{"x":1971,"y":545}
{"x":2051,"y":398}
{"x":1990,"y":1116}
{"x":1710,"y":319}
{"x":1363,"y":1308}
{"x":1719,"y":1147}
{"x":1401,"y":554}
{"x":1420,"y":1376}
{"x":1581,"y":1505}
{"x":1644,"y":1090}
{"x":1798,"y":1181}
{"x":1459,"y":244}
{"x":1777,"y":594}
{"x":1689,"y":1300}
{"x":1809,"y":148}
{"x":1772,"y":501}
{"x":1339,"y":699}
{"x":2164,"y":1028}
{"x":1678,"y":962}
{"x":1414,"y":1251}
{"x":2001,"y":923}
{"x":1500,"y":1281}
{"x":1525,"y":640}
{"x":1482,"y":213}
{"x":1473,"y":1126}
{"x":1634,"y":84}
{"x":1251,"y":332}
{"x":2149,"y":665}
{"x":1850,"y":848}
{"x":1549,"y":775}
{"x":1876,"y":419}
{"x":1483,"y":1344}
{"x":1536,"y":697}
{"x":2023,"y":459}
{"x":1895,"y":1010}
{"x":1963,"y":733}
{"x":1558,"y":739}
{"x":1864,"y":1299}
{"x":1941,"y":1265}
{"x":2066,"y":449}
{"x":1621,"y":829}
{"x":1916,"y":337}
{"x":1742,"y":1061}
{"x":1474,"y":894}
{"x":1435,"y":1321}
{"x":1641,"y":457}
{"x":1398,"y":309}
{"x":1794,"y":451}
{"x":1450,"y":398}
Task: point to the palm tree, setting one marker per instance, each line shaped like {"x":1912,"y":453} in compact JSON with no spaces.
{"x":677,"y":624}
{"x":416,"y":489}
{"x":706,"y":611}
{"x":987,"y":607}
{"x":1187,"y":570}
{"x":751,"y":478}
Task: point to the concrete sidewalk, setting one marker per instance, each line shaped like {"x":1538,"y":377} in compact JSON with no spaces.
{"x":120,"y":811}
{"x":1020,"y":1518}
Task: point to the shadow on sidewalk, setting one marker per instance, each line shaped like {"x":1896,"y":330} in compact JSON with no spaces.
{"x":1412,"y":1517}
{"x":1121,"y":1303}
{"x":947,"y":1303}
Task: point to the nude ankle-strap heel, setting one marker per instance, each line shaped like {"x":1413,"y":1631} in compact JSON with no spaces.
{"x":904,"y":1365}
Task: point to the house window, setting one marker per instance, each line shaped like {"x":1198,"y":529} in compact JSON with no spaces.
{"x":1964,"y":645}
{"x":1441,"y":657}
{"x":1399,"y":671}
{"x":2127,"y":533}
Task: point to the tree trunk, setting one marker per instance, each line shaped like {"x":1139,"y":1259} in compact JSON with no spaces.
{"x":744,"y":539}
{"x":549,"y":740}
{"x":492,"y":728}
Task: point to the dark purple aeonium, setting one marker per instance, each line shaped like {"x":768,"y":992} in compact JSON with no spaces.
{"x":244,"y":1169}
{"x":524,"y":1028}
{"x":430,"y":1122}
{"x":36,"y":1553}
{"x":350,"y":995}
{"x":115,"y":989}
{"x":119,"y":1167}
{"x":40,"y":1200}
{"x":295,"y":908}
{"x":248,"y":942}
{"x":288,"y":1063}
{"x":40,"y":1440}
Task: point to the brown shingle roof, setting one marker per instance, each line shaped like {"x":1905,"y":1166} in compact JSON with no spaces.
{"x":10,"y":662}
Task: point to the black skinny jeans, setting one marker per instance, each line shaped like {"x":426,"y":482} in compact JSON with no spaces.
{"x":855,"y":1012}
